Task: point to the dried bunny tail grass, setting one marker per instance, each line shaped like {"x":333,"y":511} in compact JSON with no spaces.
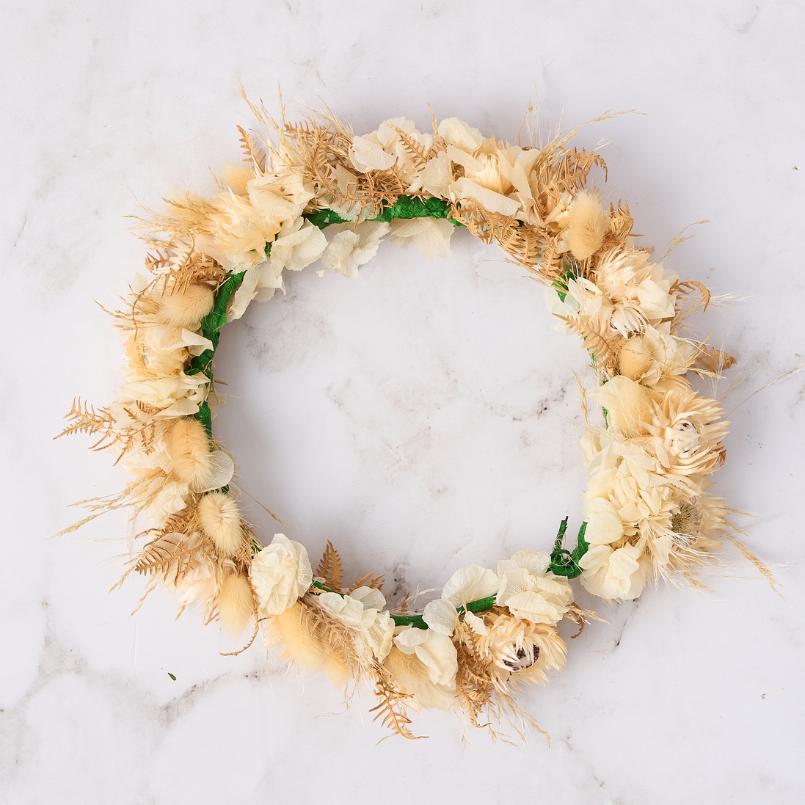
{"x":411,"y":676}
{"x":587,"y":224}
{"x":188,"y":448}
{"x":187,"y":308}
{"x":219,"y":518}
{"x":317,"y":642}
{"x":236,"y":603}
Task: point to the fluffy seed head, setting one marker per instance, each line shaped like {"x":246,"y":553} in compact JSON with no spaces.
{"x":186,"y":309}
{"x":220,"y":520}
{"x":235,"y":603}
{"x":188,"y":447}
{"x":635,"y":357}
{"x":587,"y":223}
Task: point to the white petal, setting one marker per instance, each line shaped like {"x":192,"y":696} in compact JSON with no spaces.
{"x":441,"y":616}
{"x":470,"y":584}
{"x":368,"y":155}
{"x":222,"y":468}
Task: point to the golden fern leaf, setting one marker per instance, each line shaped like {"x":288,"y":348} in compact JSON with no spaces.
{"x":714,"y":360}
{"x":687,"y":286}
{"x":390,"y":709}
{"x":601,"y":349}
{"x":252,"y":151}
{"x":330,"y":567}
{"x":86,"y":419}
{"x":368,"y":580}
{"x":415,"y":151}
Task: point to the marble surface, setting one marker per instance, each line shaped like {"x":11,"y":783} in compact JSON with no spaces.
{"x":422,"y":416}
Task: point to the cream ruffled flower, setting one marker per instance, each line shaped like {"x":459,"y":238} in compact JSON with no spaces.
{"x":280,"y":574}
{"x":530,"y":591}
{"x":430,"y":235}
{"x":363,"y":611}
{"x":298,"y":245}
{"x":434,"y":650}
{"x":279,"y":197}
{"x":441,"y":616}
{"x":384,"y":148}
{"x":655,"y":354}
{"x":619,"y":573}
{"x":470,"y":584}
{"x":352,"y":246}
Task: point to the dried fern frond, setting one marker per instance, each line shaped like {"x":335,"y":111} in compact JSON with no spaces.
{"x":330,"y":567}
{"x":688,"y":286}
{"x":474,"y":677}
{"x":253,"y":152}
{"x":712,"y":360}
{"x":603,"y":350}
{"x":390,"y":709}
{"x":367,"y":580}
{"x":85,"y":419}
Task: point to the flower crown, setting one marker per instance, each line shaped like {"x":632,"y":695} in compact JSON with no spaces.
{"x":314,"y":193}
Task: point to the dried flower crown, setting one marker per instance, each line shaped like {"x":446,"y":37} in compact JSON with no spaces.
{"x":314,"y":192}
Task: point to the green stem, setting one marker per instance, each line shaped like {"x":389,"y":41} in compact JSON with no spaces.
{"x":563,"y":563}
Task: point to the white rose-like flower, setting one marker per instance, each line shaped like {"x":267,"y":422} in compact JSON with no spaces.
{"x":530,"y":591}
{"x":434,"y":650}
{"x":362,"y":610}
{"x":281,"y":575}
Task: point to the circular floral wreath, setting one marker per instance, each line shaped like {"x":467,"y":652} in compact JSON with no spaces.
{"x":314,"y":192}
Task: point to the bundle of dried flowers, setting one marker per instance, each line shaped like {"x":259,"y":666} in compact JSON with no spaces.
{"x":648,"y":511}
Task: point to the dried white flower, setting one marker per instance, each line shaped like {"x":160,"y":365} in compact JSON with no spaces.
{"x":280,"y":574}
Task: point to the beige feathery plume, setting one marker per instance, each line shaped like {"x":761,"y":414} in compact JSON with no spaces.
{"x":188,"y":308}
{"x":587,"y":224}
{"x":235,"y":603}
{"x":411,"y":677}
{"x":187,"y":446}
{"x":219,"y":517}
{"x":315,"y":641}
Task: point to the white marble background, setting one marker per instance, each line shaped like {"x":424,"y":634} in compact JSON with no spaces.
{"x":422,"y":416}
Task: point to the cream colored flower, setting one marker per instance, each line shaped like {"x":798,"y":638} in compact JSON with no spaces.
{"x":299,"y":244}
{"x":441,"y":616}
{"x":628,"y":404}
{"x":655,"y":354}
{"x":362,"y":610}
{"x":279,"y":197}
{"x":458,"y":133}
{"x":237,"y":232}
{"x":430,"y":235}
{"x":280,"y":574}
{"x":352,"y":246}
{"x":530,"y":591}
{"x":434,"y":650}
{"x":470,"y":584}
{"x":640,"y":290}
{"x":614,"y":574}
{"x":604,"y":525}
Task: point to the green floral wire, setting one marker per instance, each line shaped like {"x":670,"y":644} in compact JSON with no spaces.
{"x":563,"y":562}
